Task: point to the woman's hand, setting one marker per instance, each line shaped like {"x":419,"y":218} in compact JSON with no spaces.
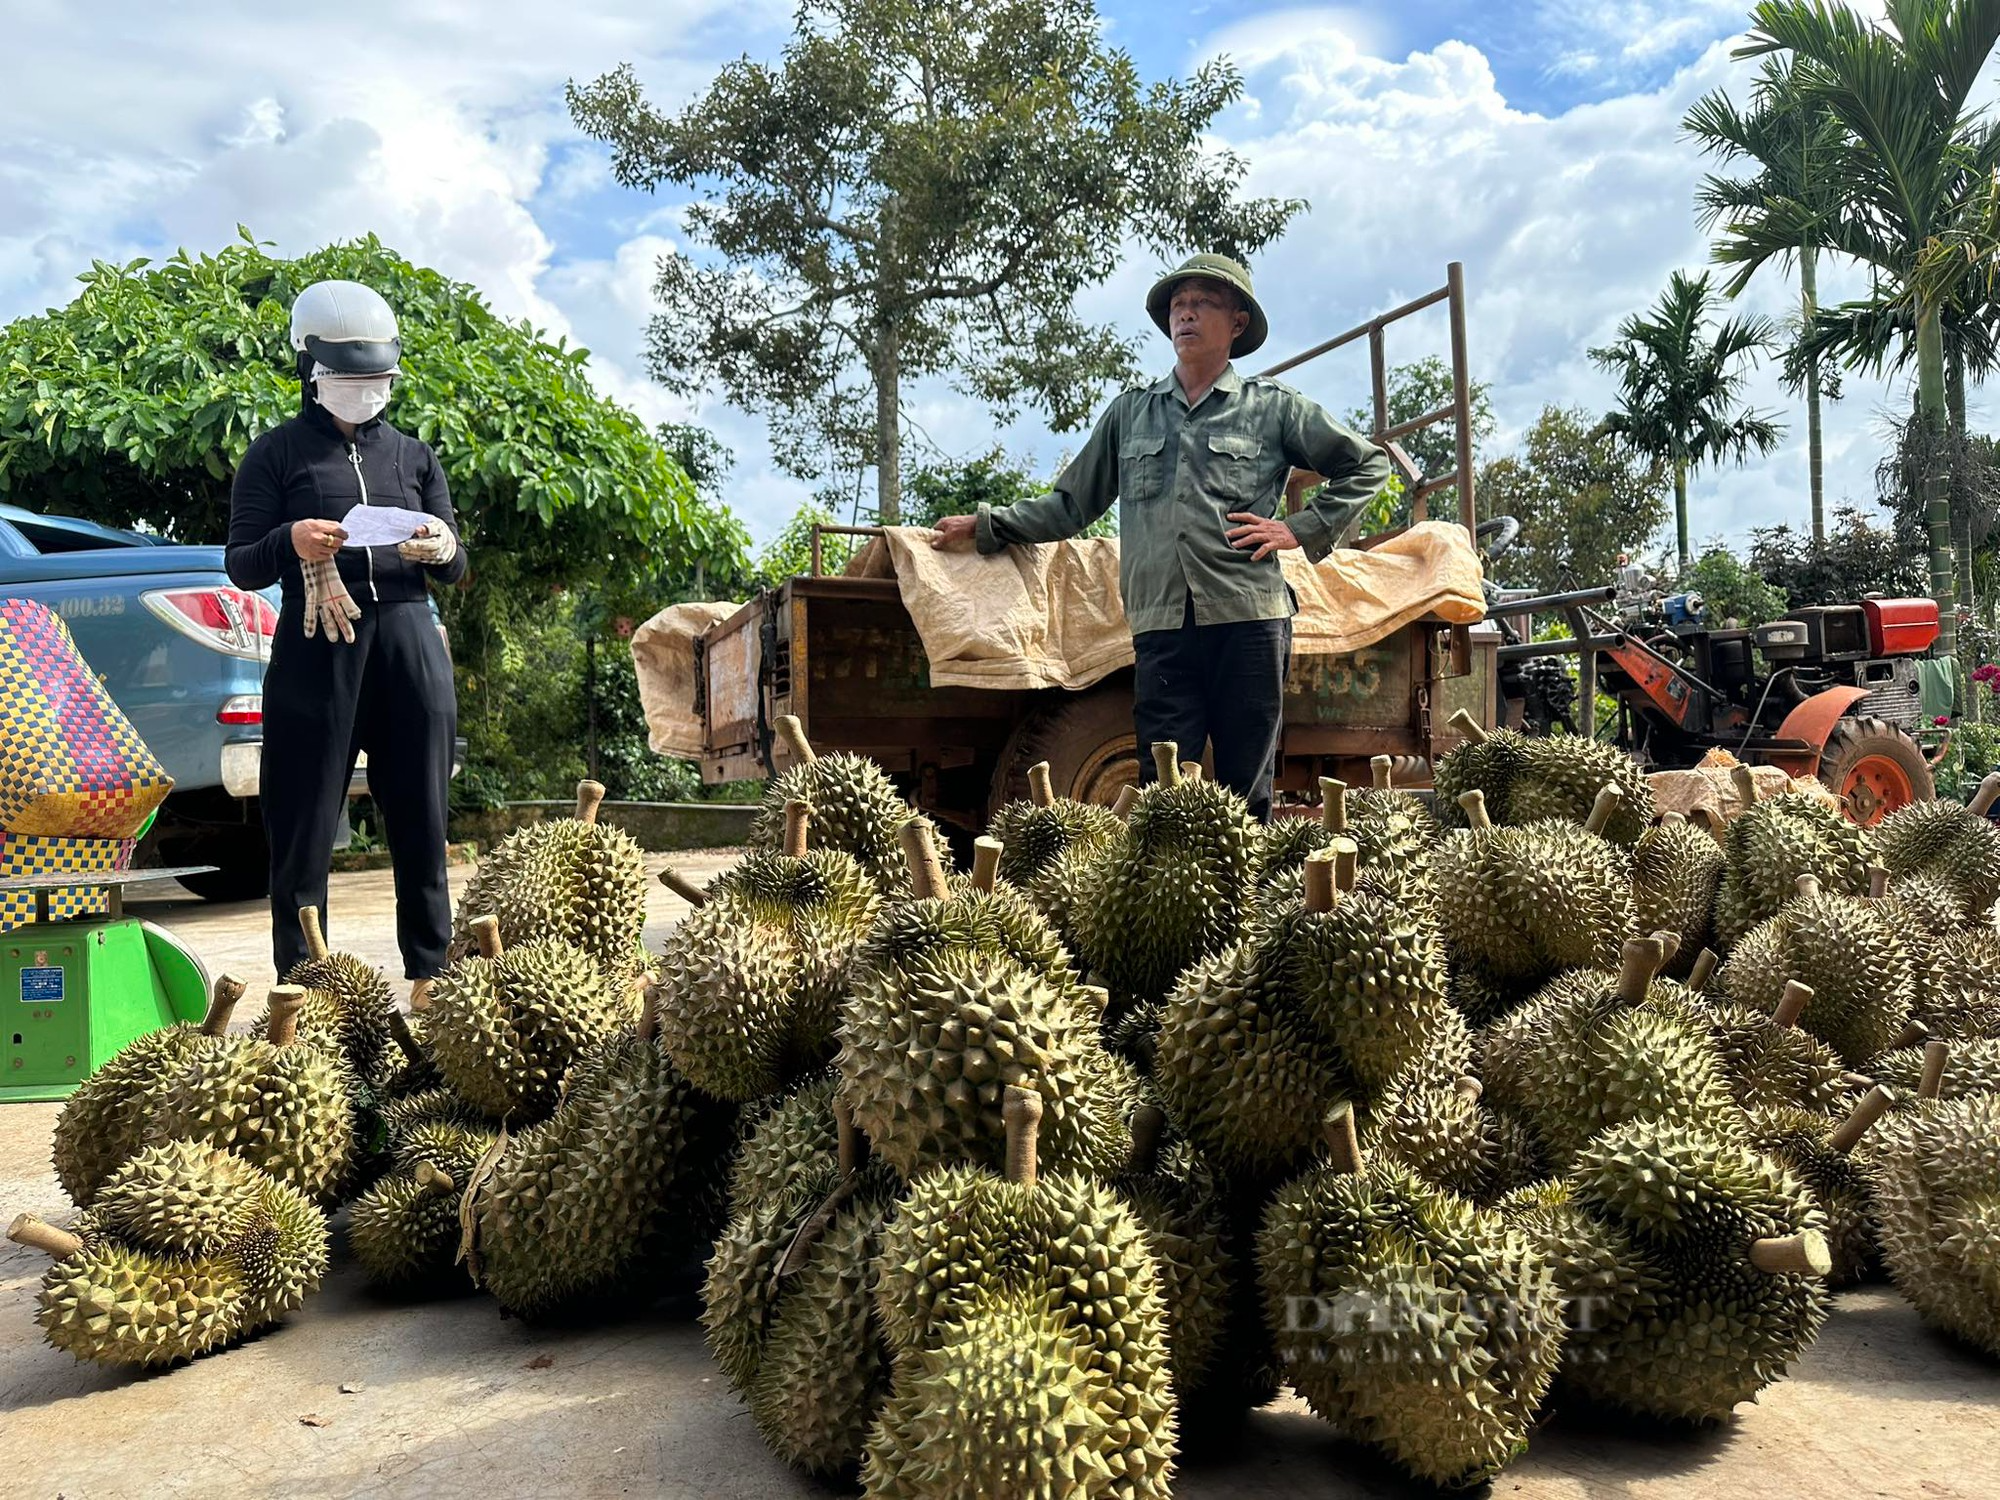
{"x":316,"y":541}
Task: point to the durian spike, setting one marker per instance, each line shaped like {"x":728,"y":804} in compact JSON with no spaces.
{"x":986,"y":862}
{"x":1041,"y":791}
{"x":1670,"y":944}
{"x":649,"y":1011}
{"x":1792,"y":1003}
{"x":1127,"y":795}
{"x":1744,"y":783}
{"x":1801,"y":1254}
{"x":1474,"y":803}
{"x":1471,"y":1088}
{"x":37,"y":1235}
{"x":1936,"y":1055}
{"x":1382,"y":772}
{"x":281,"y":1025}
{"x":315,"y":934}
{"x":1672,"y":819}
{"x":1190,"y":770}
{"x":1100,"y":997}
{"x":682,"y":887}
{"x":486,"y":933}
{"x":793,"y":733}
{"x":1640,"y":961}
{"x":1914,"y":1034}
{"x":1346,"y":863}
{"x":1988,"y":794}
{"x":853,"y":1144}
{"x":1342,"y":1144}
{"x":1878,"y":881}
{"x":1807,"y":886}
{"x":1703,"y":970}
{"x":589,"y":798}
{"x":1149,"y":1123}
{"x":1608,"y":800}
{"x":228,"y":991}
{"x":1468,"y":726}
{"x":797,"y":816}
{"x":434,"y":1179}
{"x":1321,"y":892}
{"x":927,"y":872}
{"x":1857,"y":1080}
{"x":1022,"y":1110}
{"x":1869,"y":1108}
{"x":1333,"y":804}
{"x":1167,"y":762}
{"x":406,"y":1039}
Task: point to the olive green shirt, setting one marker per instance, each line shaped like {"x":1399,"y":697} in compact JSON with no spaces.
{"x":1177,"y":472}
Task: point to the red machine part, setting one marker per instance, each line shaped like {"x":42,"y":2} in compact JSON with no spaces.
{"x":1654,"y":678}
{"x":1872,"y":766}
{"x":1900,"y":627}
{"x":1812,"y":721}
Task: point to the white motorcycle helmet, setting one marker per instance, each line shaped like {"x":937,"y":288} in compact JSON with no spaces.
{"x":344,"y":328}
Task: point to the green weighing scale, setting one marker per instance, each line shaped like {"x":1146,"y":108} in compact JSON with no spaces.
{"x":73,"y":992}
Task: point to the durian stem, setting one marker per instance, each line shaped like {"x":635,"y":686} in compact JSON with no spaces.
{"x":37,"y":1235}
{"x":1915,"y":1033}
{"x":589,"y":798}
{"x":1167,"y":762}
{"x":315,"y":934}
{"x":1382,"y":771}
{"x":1670,"y":944}
{"x":1320,"y":890}
{"x":1468,"y":726}
{"x":1857,"y":1080}
{"x":853,"y":1144}
{"x":797,"y":816}
{"x":986,"y":862}
{"x":1190,"y":770}
{"x":1127,"y":795}
{"x":1149,"y":1123}
{"x":433,"y":1179}
{"x":1333,"y":804}
{"x":1792,"y":1003}
{"x":682,"y":887}
{"x":793,"y":733}
{"x":1807,"y":886}
{"x":1041,"y":791}
{"x":1703,"y":970}
{"x":1988,"y":794}
{"x":228,"y":991}
{"x":281,"y":1023}
{"x":1744,"y":783}
{"x":486,"y":933}
{"x":649,"y":1011}
{"x":1346,"y":863}
{"x":1801,"y":1254}
{"x":1342,"y":1144}
{"x":1471,"y":1088}
{"x":1608,"y":801}
{"x":1022,"y":1110}
{"x":1474,"y":803}
{"x":927,"y":872}
{"x":405,"y":1039}
{"x":1936,"y":1055}
{"x":1640,"y":961}
{"x":1672,"y":819}
{"x":1878,"y":881}
{"x":1869,"y":1108}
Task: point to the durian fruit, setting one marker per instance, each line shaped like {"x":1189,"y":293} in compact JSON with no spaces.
{"x":751,"y":982}
{"x":1958,"y":984}
{"x":1390,"y":830}
{"x":1695,"y":1268}
{"x":402,"y":1118}
{"x":1958,"y":847}
{"x":623,"y":1179}
{"x":1675,"y":870}
{"x":1173,"y":888}
{"x":1443,"y":1132}
{"x":1488,"y":762}
{"x":1771,"y":844}
{"x":275,"y":1101}
{"x":1036,"y":833}
{"x":856,"y":809}
{"x":415,"y":1071}
{"x":1279,"y":850}
{"x":104,"y":1121}
{"x":1411,"y":1320}
{"x":1940,"y":1070}
{"x":405,"y":1229}
{"x":347,"y":1003}
{"x":1845,"y":949}
{"x":1771,"y":1062}
{"x":503,"y":1027}
{"x":1029,"y":1342}
{"x":1382,"y":801}
{"x":186,"y":1249}
{"x":1521,"y":904}
{"x":1818,"y":1150}
{"x":1934,"y":1172}
{"x":1921,"y":905}
{"x":1560,"y":778}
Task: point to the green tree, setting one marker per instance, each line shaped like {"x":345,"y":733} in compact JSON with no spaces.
{"x":958,"y":487}
{"x":1917,"y":158}
{"x":1733,"y":590}
{"x":789,"y":553}
{"x":1581,"y":498}
{"x":920,"y":188}
{"x":1856,"y":557}
{"x":1414,"y":390}
{"x":1680,"y":382}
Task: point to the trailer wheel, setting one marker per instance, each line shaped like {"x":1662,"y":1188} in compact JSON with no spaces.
{"x":1088,"y":741}
{"x":1875,"y":768}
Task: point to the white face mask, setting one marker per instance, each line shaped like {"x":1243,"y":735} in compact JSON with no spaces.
{"x":353,"y":398}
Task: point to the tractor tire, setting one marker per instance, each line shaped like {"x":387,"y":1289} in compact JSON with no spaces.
{"x":1088,"y":740}
{"x":1874,"y":768}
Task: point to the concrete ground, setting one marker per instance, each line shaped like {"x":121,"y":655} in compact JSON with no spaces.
{"x":361,"y":1395}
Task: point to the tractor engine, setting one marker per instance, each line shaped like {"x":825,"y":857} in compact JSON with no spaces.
{"x":1872,"y":646}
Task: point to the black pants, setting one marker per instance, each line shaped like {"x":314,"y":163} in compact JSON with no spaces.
{"x":1215,"y":684}
{"x":390,"y":694}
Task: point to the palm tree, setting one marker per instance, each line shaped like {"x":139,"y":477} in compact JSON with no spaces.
{"x":1680,"y":387}
{"x":1792,"y":144}
{"x":1914,"y":162}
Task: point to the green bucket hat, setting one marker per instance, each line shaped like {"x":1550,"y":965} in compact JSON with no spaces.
{"x":1216,"y":268}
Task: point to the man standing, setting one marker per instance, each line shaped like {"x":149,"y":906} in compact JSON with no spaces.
{"x":1197,"y":462}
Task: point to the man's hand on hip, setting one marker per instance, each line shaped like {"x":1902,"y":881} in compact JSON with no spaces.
{"x":1263,"y":533}
{"x":954,"y":529}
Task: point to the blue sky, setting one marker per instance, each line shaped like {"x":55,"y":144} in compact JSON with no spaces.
{"x":1535,"y":140}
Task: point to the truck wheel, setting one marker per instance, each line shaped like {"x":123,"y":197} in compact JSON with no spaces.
{"x":1876,"y":768}
{"x":1088,"y":741}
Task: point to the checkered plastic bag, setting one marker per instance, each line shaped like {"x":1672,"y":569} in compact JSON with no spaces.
{"x":39,"y":855}
{"x":71,"y":764}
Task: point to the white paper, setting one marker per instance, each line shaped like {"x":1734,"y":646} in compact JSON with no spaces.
{"x":382,"y":525}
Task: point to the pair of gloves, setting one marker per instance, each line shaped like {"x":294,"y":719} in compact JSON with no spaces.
{"x":331,"y":608}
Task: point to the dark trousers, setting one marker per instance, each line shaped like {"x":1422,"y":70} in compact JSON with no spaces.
{"x":1219,"y":685}
{"x":390,"y":694}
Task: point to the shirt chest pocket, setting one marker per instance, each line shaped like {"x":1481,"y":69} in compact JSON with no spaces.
{"x":1142,"y":467}
{"x":1235,"y":466}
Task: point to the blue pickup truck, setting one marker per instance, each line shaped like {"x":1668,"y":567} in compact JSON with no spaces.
{"x":181,"y":650}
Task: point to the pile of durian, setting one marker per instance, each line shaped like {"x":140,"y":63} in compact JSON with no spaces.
{"x":1019,"y":1180}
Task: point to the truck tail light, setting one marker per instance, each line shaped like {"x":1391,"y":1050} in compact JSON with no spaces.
{"x":245,"y":709}
{"x":232,"y":621}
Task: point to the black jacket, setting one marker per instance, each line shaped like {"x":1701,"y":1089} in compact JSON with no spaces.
{"x":304,"y":470}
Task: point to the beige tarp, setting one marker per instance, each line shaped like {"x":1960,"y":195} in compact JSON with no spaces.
{"x":1709,"y":785}
{"x":663,"y":656}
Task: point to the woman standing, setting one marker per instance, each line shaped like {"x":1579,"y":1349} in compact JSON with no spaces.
{"x":357,"y":663}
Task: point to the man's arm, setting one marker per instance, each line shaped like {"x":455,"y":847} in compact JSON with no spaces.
{"x":1084,"y":490}
{"x":1354,"y":469}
